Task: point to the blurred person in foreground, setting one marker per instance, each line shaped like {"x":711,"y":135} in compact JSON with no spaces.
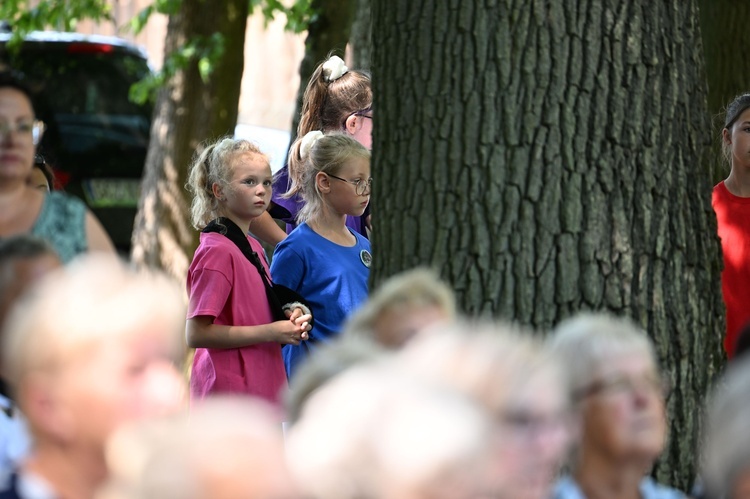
{"x":91,"y":346}
{"x":725,"y":467}
{"x":620,"y":400}
{"x":226,"y":448}
{"x":24,"y":259}
{"x":469,"y":411}
{"x":519,"y":383}
{"x":406,"y":304}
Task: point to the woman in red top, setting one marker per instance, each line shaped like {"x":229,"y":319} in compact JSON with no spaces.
{"x":731,"y":202}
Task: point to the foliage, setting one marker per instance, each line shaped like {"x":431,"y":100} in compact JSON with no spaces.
{"x":62,"y":15}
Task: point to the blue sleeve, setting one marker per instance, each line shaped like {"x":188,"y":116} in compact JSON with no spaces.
{"x":287,"y":267}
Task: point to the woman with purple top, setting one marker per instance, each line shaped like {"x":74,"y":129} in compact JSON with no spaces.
{"x":336,"y":99}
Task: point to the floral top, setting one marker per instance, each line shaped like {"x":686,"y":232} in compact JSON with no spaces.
{"x":62,"y":223}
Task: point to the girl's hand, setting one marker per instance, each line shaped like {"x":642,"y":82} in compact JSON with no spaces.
{"x":290,"y":332}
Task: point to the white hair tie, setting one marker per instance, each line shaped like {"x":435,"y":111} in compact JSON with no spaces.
{"x":334,"y":68}
{"x":307,"y":142}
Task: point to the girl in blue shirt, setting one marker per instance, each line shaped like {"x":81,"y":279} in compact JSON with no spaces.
{"x":323,"y":259}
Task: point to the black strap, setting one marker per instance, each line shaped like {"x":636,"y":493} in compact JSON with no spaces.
{"x":229,"y":229}
{"x":226,"y":227}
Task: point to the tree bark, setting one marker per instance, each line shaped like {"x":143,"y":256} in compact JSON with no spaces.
{"x":360,"y":40}
{"x":548,"y":157}
{"x":188,"y":111}
{"x":725,"y":42}
{"x":328,"y":32}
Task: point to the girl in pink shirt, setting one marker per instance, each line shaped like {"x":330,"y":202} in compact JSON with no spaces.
{"x":229,"y":322}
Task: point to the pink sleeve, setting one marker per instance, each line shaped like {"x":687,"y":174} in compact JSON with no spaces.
{"x":208,"y":290}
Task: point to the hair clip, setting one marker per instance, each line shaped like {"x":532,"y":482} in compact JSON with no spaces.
{"x":334,"y":68}
{"x":307,"y":142}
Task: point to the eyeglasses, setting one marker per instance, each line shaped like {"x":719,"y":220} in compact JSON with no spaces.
{"x":360,"y":186}
{"x":34,"y":129}
{"x":616,"y":385}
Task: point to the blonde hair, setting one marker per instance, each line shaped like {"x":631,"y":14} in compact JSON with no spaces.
{"x":94,"y":299}
{"x":418,"y":287}
{"x":213,"y":166}
{"x":187,"y":455}
{"x":328,"y":154}
{"x":490,"y":362}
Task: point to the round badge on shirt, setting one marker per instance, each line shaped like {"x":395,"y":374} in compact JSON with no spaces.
{"x":366,"y":258}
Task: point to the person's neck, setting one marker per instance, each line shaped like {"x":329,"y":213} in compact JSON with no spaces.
{"x":738,"y":182}
{"x":244,"y":225}
{"x":599,"y":477}
{"x":71,"y":473}
{"x":332,"y":227}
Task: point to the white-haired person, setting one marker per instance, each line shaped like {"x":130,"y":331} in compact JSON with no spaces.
{"x":725,"y":467}
{"x":619,"y":397}
{"x":519,"y":382}
{"x":227,"y":447}
{"x":374,"y":432}
{"x":404,"y":305}
{"x":91,"y":346}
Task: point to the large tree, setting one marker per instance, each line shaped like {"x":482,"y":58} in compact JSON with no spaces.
{"x":194,"y":105}
{"x":549,"y":157}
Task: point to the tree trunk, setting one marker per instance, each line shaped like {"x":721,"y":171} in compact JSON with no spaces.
{"x":360,"y":40}
{"x":328,"y":32}
{"x":188,"y":111}
{"x":548,"y":157}
{"x":725,"y":42}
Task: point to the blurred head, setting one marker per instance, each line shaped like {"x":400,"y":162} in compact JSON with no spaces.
{"x":217,"y":175}
{"x":334,"y":175}
{"x":24,"y":259}
{"x":93,"y":345}
{"x":521,"y":385}
{"x":617,"y":386}
{"x":329,"y":361}
{"x":19,"y":129}
{"x":726,"y":454}
{"x":375,"y":432}
{"x":410,"y":302}
{"x":226,"y":448}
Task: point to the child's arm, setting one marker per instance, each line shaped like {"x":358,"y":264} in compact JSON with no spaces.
{"x":201,"y":332}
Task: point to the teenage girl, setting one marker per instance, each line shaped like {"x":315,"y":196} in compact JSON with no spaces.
{"x":322,"y":259}
{"x":229,"y":320}
{"x":336,"y":99}
{"x":731,"y":202}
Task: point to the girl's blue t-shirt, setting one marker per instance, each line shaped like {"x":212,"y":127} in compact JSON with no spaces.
{"x":331,"y":277}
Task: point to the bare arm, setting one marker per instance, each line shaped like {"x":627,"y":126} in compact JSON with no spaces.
{"x":96,"y":236}
{"x":267,"y":230}
{"x":201,"y":332}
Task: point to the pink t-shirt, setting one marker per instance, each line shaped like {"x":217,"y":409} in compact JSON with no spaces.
{"x":223,"y":284}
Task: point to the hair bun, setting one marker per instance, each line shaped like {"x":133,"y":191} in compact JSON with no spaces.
{"x":307,"y":142}
{"x":334,"y":68}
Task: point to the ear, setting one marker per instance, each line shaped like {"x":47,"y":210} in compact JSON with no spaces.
{"x":351,"y":124}
{"x":217,"y":191}
{"x":727,"y":136}
{"x":322,"y":183}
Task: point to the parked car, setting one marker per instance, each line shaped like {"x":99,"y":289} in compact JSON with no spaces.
{"x":96,"y":138}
